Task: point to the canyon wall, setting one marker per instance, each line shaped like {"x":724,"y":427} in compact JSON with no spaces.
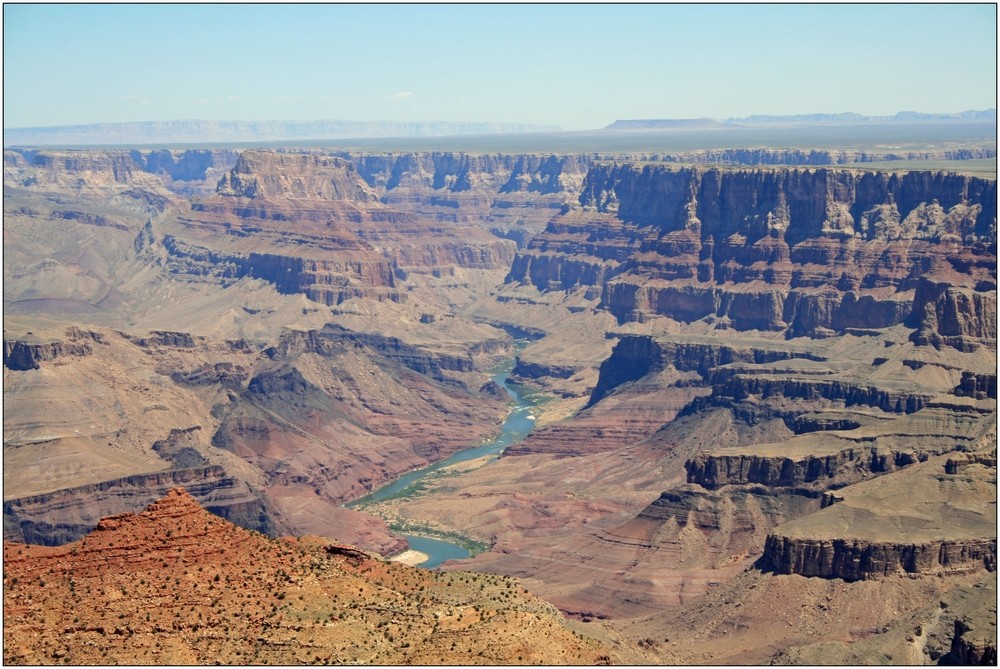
{"x":31,"y":519}
{"x":805,"y":252}
{"x":856,"y":560}
{"x":310,"y":224}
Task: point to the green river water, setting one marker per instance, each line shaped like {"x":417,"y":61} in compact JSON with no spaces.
{"x":519,"y":422}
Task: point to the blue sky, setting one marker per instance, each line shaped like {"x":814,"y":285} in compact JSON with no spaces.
{"x":575,"y":66}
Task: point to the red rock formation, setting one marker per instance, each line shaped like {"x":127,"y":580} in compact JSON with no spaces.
{"x":174,"y":584}
{"x":68,"y":514}
{"x":308,"y":223}
{"x":773,"y":249}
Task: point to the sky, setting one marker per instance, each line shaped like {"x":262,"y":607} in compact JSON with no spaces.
{"x":576,"y":66}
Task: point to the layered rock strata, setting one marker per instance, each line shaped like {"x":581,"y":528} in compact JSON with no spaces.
{"x":513,"y":196}
{"x":940,"y":522}
{"x":319,"y":418}
{"x":67,"y":515}
{"x":806,"y":252}
{"x":309,"y":223}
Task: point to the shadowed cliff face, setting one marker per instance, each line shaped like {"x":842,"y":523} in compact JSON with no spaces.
{"x":806,"y":252}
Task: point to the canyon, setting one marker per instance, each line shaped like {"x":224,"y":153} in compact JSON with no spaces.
{"x":766,"y":387}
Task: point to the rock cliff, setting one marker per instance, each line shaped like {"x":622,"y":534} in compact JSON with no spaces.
{"x":941,"y":522}
{"x":69,"y":514}
{"x":856,"y":560}
{"x":274,"y":175}
{"x":805,"y":252}
{"x":75,"y":170}
{"x":22,"y":354}
{"x":512,"y":196}
{"x":309,"y":223}
{"x":191,"y":172}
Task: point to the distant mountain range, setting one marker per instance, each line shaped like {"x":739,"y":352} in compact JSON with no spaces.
{"x":200,"y":131}
{"x":843,"y":118}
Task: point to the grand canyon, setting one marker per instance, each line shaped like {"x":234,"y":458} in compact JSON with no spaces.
{"x":761,"y":382}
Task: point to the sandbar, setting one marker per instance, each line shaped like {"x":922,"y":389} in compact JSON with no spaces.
{"x":410,"y":557}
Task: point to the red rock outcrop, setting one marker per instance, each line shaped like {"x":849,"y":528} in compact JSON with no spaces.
{"x":176,"y":585}
{"x":69,"y":514}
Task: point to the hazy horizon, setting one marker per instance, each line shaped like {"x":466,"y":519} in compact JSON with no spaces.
{"x":538,"y":127}
{"x":578,"y":67}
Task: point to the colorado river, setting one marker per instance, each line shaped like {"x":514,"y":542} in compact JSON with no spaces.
{"x":515,"y":427}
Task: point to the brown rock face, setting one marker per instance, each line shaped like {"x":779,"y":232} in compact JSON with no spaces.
{"x":972,"y":645}
{"x":805,"y":252}
{"x":77,"y":170}
{"x":514,"y":195}
{"x":960,"y":317}
{"x":856,"y":560}
{"x":23,"y":355}
{"x":946,"y":527}
{"x":268,"y":175}
{"x":310,"y":224}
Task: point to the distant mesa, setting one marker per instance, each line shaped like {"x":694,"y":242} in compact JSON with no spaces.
{"x":986,"y":115}
{"x":665,"y":123}
{"x":203,"y":131}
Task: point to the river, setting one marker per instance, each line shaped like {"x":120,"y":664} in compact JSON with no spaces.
{"x":519,"y":422}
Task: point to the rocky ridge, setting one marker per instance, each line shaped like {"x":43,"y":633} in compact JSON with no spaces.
{"x":28,"y":519}
{"x":176,"y":585}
